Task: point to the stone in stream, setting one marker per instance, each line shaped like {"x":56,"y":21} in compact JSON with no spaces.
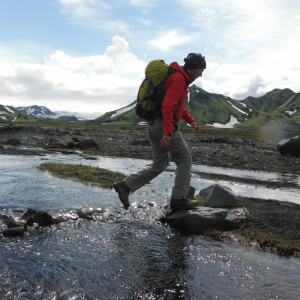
{"x":219,"y":196}
{"x":15,"y":222}
{"x":14,"y":232}
{"x":222,"y":211}
{"x":37,"y":216}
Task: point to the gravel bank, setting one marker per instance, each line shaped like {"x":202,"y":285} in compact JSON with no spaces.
{"x":247,"y":154}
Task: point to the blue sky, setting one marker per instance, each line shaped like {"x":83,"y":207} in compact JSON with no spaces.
{"x":89,"y":55}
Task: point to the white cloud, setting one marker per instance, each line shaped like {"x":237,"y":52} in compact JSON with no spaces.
{"x":105,"y":82}
{"x":170,"y":39}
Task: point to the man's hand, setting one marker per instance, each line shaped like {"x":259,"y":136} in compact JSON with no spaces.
{"x":196,"y":127}
{"x":164,"y":143}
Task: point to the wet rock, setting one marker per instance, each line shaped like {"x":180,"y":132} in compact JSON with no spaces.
{"x":1,"y":147}
{"x":140,"y":143}
{"x":15,"y":222}
{"x":14,"y":232}
{"x":38,"y":216}
{"x":61,"y":218}
{"x":290,"y":146}
{"x":86,"y":213}
{"x":204,"y":218}
{"x":13,"y":142}
{"x":219,"y":196}
{"x":5,"y":217}
{"x":191,"y":192}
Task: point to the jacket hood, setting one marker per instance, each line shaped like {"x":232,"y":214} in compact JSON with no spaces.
{"x":177,"y":67}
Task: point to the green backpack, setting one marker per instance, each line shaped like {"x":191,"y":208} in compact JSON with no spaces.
{"x":151,"y":92}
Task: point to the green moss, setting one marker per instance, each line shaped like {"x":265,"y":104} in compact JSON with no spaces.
{"x":85,"y":174}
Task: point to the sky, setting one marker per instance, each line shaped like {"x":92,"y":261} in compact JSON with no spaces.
{"x":89,"y":56}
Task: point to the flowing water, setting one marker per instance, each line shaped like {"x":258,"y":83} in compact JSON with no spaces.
{"x":129,"y":254}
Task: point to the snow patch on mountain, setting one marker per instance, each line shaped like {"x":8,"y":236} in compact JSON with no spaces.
{"x":291,"y":112}
{"x":9,"y":110}
{"x":122,"y":110}
{"x":236,"y":108}
{"x":245,"y":106}
{"x":233,"y":121}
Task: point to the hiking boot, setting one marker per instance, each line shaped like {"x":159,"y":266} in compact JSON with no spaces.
{"x":184,"y":203}
{"x":123,"y":190}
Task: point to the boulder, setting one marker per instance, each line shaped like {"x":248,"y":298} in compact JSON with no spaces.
{"x":219,"y":196}
{"x":203,"y":218}
{"x":75,"y":141}
{"x":13,"y":142}
{"x":13,"y":232}
{"x":87,"y":144}
{"x":290,"y":146}
{"x":38,"y":216}
{"x":1,"y":147}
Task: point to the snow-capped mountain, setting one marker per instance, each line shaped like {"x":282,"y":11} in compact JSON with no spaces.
{"x":6,"y":111}
{"x":36,"y":111}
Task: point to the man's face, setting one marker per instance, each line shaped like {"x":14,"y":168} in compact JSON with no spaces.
{"x":196,"y":73}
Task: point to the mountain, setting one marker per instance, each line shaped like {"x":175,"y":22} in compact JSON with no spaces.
{"x":280,"y":107}
{"x":5,"y":112}
{"x":36,"y":111}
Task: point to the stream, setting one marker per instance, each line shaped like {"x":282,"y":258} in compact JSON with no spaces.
{"x":129,"y":254}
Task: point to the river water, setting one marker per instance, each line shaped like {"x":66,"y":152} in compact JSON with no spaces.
{"x":129,"y":254}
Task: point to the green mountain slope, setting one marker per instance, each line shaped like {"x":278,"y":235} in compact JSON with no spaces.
{"x":277,"y":107}
{"x":209,"y":108}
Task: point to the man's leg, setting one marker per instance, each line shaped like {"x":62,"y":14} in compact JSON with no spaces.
{"x":183,"y":160}
{"x":160,"y":161}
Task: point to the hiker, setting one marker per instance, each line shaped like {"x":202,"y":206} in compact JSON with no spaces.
{"x":166,"y":140}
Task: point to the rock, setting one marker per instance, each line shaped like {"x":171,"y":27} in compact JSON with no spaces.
{"x":15,"y":222}
{"x":38,"y":216}
{"x":86,"y":213}
{"x":13,"y":141}
{"x":219,"y":196}
{"x":140,"y":143}
{"x":204,"y":218}
{"x":191,"y":193}
{"x":290,"y":146}
{"x":1,"y":147}
{"x":88,"y":144}
{"x":13,"y":232}
{"x":75,"y":141}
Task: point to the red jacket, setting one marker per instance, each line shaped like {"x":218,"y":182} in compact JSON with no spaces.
{"x":176,"y":89}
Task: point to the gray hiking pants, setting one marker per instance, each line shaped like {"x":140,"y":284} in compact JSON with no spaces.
{"x":177,"y":151}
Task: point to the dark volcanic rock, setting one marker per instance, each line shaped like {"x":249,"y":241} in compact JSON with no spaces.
{"x":38,"y":216}
{"x":204,"y":218}
{"x":13,"y":232}
{"x":88,"y":144}
{"x":219,"y":196}
{"x":290,"y":146}
{"x":12,"y":222}
{"x":13,"y":141}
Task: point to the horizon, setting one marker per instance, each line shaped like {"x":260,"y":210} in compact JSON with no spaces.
{"x":90,"y":55}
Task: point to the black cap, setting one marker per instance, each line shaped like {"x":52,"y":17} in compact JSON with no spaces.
{"x":195,"y":61}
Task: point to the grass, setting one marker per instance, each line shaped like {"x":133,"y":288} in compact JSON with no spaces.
{"x":86,"y":174}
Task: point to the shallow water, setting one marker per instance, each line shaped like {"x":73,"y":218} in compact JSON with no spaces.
{"x":123,"y":254}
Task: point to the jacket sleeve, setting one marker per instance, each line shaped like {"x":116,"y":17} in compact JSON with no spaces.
{"x":174,"y":88}
{"x":187,"y":117}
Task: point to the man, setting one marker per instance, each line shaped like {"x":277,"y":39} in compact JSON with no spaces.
{"x":166,"y":140}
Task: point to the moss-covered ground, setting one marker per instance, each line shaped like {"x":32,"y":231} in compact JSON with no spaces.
{"x":81,"y":173}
